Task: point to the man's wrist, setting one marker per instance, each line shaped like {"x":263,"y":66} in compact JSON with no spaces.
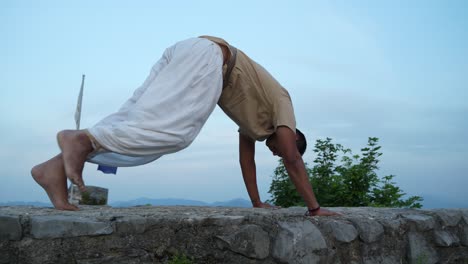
{"x":312,"y":211}
{"x":256,"y":203}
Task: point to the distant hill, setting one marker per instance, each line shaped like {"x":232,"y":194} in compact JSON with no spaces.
{"x":15,"y":203}
{"x":144,"y":201}
{"x":428,"y":203}
{"x":174,"y":201}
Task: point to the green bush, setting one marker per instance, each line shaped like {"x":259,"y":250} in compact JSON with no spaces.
{"x":353,"y":182}
{"x":181,"y":259}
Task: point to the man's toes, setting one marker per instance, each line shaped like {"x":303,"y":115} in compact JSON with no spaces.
{"x":80,"y":184}
{"x":68,"y":207}
{"x":78,"y":181}
{"x":82,"y":188}
{"x":72,"y":207}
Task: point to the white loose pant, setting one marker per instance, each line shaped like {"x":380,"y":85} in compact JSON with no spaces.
{"x":167,"y":112}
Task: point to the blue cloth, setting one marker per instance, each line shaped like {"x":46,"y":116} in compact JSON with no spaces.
{"x":107,"y":169}
{"x":112,"y":159}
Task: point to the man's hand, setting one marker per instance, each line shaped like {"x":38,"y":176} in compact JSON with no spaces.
{"x":265,"y":205}
{"x":324,"y":212}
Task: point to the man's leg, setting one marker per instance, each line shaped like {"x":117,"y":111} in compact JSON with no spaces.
{"x":75,"y":146}
{"x":155,"y":116}
{"x":50,"y":175}
{"x":172,"y":106}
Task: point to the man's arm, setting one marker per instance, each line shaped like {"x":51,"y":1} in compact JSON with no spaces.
{"x":286,"y":144}
{"x":249,"y":171}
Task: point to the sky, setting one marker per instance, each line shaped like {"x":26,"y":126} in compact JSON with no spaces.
{"x":396,"y":70}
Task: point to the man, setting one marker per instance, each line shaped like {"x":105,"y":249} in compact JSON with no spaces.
{"x":166,"y":113}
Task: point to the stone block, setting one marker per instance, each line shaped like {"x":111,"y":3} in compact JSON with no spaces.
{"x":57,"y":226}
{"x":250,"y":240}
{"x":383,"y":260}
{"x":423,"y":222}
{"x":224,"y":220}
{"x":464,"y":213}
{"x":7,"y":253}
{"x":464,"y":236}
{"x":10,"y":228}
{"x":369,"y":229}
{"x":341,"y":231}
{"x":393,"y":226}
{"x":131,"y":225}
{"x":449,"y":217}
{"x":296,"y":242}
{"x":445,"y":239}
{"x":419,"y":251}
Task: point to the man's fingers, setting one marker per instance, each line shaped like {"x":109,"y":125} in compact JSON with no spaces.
{"x":325,"y":212}
{"x":267,"y":205}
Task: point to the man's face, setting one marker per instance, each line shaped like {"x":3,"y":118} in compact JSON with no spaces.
{"x":271,"y":143}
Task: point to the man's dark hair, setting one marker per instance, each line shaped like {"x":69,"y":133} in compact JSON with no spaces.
{"x":301,"y":142}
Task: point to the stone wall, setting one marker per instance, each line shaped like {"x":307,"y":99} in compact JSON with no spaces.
{"x":232,"y":235}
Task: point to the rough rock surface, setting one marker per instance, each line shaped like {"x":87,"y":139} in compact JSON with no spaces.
{"x":94,"y":195}
{"x":147,"y":234}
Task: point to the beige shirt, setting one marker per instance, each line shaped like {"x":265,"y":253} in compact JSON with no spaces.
{"x":253,"y":99}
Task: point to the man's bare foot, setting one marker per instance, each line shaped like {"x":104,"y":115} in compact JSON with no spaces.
{"x":75,"y":146}
{"x":50,"y":175}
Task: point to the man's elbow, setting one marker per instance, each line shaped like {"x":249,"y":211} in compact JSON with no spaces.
{"x":246,"y":160}
{"x":292,"y":159}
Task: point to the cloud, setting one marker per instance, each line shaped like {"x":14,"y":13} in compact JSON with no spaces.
{"x":356,"y":113}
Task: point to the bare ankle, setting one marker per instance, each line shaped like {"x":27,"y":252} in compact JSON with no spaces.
{"x":84,"y":139}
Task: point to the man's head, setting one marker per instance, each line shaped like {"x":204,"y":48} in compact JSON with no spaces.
{"x":301,"y":143}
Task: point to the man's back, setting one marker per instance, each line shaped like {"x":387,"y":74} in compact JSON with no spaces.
{"x":254,"y":99}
